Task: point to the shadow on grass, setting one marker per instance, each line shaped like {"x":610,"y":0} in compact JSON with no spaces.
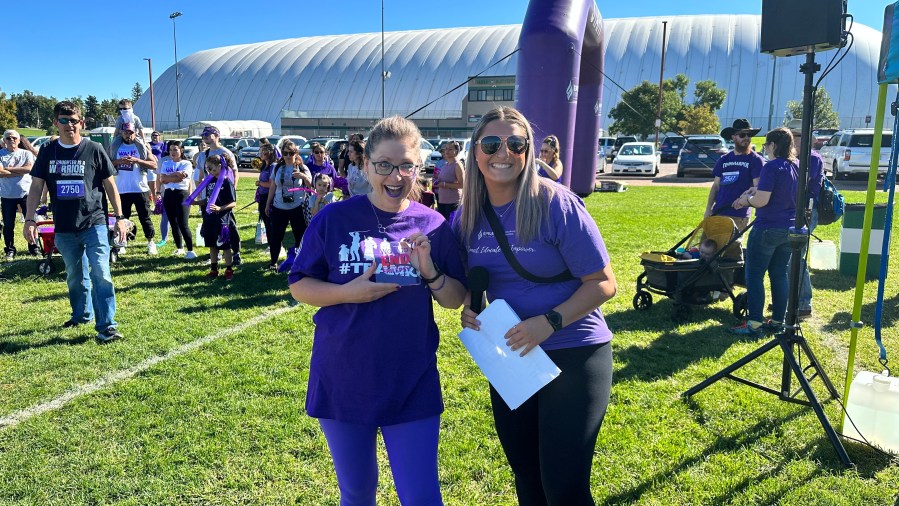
{"x":839,"y":321}
{"x":14,"y":348}
{"x":832,"y":280}
{"x":673,"y":349}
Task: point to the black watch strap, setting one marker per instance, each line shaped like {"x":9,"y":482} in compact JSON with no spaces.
{"x":436,"y":276}
{"x":554,"y":319}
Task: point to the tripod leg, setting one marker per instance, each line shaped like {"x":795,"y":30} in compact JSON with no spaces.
{"x":790,"y":359}
{"x":813,"y":361}
{"x":723,"y":373}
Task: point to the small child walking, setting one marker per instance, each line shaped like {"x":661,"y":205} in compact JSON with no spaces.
{"x":218,"y":218}
{"x":323,"y":185}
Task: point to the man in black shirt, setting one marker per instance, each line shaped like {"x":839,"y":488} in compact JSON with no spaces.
{"x":77,"y":171}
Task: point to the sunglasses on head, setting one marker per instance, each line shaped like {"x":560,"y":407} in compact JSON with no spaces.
{"x":514,"y":143}
{"x":68,"y":121}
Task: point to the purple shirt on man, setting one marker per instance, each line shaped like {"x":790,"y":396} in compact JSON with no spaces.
{"x":736,"y":173}
{"x":779,"y":178}
{"x":815,"y":176}
{"x":373,"y":363}
{"x":569,"y":240}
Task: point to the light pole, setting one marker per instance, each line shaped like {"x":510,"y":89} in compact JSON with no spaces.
{"x":172,"y":16}
{"x":152,"y":99}
{"x":661,"y":72}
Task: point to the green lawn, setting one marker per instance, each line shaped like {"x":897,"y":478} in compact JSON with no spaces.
{"x":31,"y":131}
{"x":224,"y":423}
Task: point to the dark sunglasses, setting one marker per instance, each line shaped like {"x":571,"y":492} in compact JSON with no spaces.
{"x":744,"y":135}
{"x":514,"y":143}
{"x":10,"y":138}
{"x":67,"y":121}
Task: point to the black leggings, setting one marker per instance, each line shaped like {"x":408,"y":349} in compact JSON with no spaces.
{"x":141,"y":202}
{"x":9,"y":207}
{"x":173,"y":202}
{"x":279,"y":220}
{"x":550,"y":439}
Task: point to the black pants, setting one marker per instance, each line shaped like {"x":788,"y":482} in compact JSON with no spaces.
{"x":9,"y":207}
{"x":447,"y":209}
{"x":173,"y":202}
{"x":141,"y":201}
{"x":279,"y":220}
{"x":549,"y":440}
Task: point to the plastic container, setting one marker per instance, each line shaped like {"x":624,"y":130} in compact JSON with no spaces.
{"x":823,"y":256}
{"x":873,"y":406}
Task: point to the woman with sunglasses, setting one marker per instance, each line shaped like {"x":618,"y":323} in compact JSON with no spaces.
{"x":15,"y":181}
{"x":374,"y":357}
{"x":769,"y":247}
{"x":549,"y":164}
{"x":319,"y":163}
{"x":549,"y":440}
{"x":448,"y":179}
{"x":284,"y":203}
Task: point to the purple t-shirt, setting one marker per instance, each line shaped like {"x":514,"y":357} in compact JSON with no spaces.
{"x":779,"y":178}
{"x":376,"y":362}
{"x":326,"y":168}
{"x":736,"y":173}
{"x":570,"y":241}
{"x":265,"y":175}
{"x":815,"y":175}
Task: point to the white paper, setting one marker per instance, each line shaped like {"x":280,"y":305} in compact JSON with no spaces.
{"x":514,"y":377}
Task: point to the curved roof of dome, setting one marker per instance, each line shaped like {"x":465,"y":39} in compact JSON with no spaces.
{"x":339,"y":76}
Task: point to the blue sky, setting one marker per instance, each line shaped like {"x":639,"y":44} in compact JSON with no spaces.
{"x":103,"y":47}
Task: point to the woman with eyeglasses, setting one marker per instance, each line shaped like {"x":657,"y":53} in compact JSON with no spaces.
{"x":774,"y":200}
{"x":549,"y":164}
{"x":448,"y":180}
{"x":289,"y":179}
{"x":373,"y":263}
{"x":566,"y":276}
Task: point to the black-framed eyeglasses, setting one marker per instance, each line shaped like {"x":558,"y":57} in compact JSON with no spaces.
{"x":67,"y":121}
{"x":514,"y":143}
{"x":384,"y":168}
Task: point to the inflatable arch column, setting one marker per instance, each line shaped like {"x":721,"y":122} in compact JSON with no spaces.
{"x":559,"y":82}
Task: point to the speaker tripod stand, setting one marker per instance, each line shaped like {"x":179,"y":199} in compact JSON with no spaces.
{"x":788,"y":339}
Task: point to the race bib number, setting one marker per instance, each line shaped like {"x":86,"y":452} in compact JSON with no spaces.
{"x":729,"y":177}
{"x":69,"y":190}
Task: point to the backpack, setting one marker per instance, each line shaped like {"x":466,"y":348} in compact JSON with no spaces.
{"x":830,"y":203}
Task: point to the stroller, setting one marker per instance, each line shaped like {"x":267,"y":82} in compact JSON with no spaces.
{"x":46,"y":243}
{"x":696,"y":281}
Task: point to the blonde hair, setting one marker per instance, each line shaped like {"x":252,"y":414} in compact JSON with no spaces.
{"x":401,"y":130}
{"x":534,"y":192}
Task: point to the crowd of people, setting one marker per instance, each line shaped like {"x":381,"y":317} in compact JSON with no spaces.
{"x":383,"y":251}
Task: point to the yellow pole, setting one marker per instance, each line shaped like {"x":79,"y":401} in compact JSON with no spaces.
{"x":855,"y":323}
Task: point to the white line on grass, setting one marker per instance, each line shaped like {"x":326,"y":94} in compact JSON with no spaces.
{"x":18,"y":417}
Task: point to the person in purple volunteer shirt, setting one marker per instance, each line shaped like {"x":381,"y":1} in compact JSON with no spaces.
{"x":549,"y":440}
{"x":264,"y":182}
{"x":735,"y":173}
{"x":318,"y":163}
{"x":160,"y":149}
{"x":374,"y":356}
{"x":769,"y":247}
{"x":815,"y":180}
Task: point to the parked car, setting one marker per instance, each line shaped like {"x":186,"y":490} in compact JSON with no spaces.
{"x":306,"y":147}
{"x":246,"y":142}
{"x":670,"y":148}
{"x":620,"y":141}
{"x":605,"y":145}
{"x":230,"y":143}
{"x":247,"y":155}
{"x":636,"y":157}
{"x":699,"y":155}
{"x":849,"y":152}
{"x":821,"y":136}
{"x":437,"y":156}
{"x":191,"y":147}
{"x":39,"y":141}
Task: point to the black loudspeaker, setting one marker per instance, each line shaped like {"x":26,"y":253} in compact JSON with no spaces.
{"x":791,"y":27}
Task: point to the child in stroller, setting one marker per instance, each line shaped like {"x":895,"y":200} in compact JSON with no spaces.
{"x":699,"y":273}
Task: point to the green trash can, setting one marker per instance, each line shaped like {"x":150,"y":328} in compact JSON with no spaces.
{"x":851,"y":240}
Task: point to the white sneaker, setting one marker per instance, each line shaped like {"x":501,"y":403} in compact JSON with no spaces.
{"x":121,"y":250}
{"x":190,"y":255}
{"x":151,"y":248}
{"x":178,"y":252}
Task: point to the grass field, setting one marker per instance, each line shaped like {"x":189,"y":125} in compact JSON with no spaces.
{"x":223,"y":422}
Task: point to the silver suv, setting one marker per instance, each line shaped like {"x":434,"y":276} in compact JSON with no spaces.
{"x":849,"y":152}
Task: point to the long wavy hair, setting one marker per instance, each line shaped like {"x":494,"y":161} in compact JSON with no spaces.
{"x":534,"y":192}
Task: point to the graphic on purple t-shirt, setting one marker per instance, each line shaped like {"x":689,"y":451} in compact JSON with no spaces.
{"x":779,"y":178}
{"x":571,"y":241}
{"x":375,"y":362}
{"x":736,"y":173}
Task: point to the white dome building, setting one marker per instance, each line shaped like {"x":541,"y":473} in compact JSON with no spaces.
{"x":332,"y":84}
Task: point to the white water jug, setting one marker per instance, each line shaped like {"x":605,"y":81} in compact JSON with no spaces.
{"x":873,"y":406}
{"x":823,"y":255}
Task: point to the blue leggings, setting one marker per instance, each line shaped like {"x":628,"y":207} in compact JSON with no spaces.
{"x":411,"y":448}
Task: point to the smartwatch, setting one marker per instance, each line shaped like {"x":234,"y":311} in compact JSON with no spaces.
{"x":554,"y":319}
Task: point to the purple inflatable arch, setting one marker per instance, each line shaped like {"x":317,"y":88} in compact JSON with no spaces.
{"x":559,"y":81}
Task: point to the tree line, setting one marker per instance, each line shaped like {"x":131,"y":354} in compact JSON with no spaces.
{"x":28,"y":110}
